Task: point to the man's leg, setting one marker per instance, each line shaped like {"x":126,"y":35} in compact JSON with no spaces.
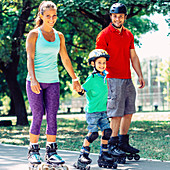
{"x":114,"y":125}
{"x":124,"y":138}
{"x":125,"y":124}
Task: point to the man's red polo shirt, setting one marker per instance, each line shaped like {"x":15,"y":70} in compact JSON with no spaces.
{"x":118,"y":45}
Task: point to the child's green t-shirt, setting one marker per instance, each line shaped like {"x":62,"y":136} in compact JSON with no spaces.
{"x":96,"y":93}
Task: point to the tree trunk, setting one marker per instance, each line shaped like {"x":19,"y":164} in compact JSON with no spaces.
{"x":16,"y":95}
{"x":12,"y":108}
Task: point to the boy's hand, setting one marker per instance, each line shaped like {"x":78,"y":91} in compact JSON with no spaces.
{"x":81,"y":92}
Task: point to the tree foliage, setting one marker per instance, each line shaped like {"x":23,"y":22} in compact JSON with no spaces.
{"x":79,"y":20}
{"x":164,"y":71}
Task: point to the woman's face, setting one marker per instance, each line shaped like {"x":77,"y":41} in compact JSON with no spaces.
{"x":49,"y":17}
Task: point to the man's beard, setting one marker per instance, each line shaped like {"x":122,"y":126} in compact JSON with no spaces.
{"x":116,"y":26}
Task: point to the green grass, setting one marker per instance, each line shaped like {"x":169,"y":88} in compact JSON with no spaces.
{"x":152,"y":138}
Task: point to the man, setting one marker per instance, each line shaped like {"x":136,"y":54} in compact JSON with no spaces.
{"x":119,"y":43}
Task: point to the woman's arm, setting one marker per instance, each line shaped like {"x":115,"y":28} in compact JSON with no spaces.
{"x":30,"y":48}
{"x":67,"y":63}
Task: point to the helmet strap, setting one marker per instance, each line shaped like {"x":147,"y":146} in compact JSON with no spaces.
{"x":95,"y":71}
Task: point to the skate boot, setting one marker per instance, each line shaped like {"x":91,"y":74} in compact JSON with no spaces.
{"x":105,"y":159}
{"x":34,"y":156}
{"x":131,"y":152}
{"x":83,"y":159}
{"x":51,"y":155}
{"x":114,"y":150}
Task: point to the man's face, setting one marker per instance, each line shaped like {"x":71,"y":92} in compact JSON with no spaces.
{"x":118,"y":19}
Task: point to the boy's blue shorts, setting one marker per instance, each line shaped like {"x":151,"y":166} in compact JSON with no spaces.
{"x":97,"y":119}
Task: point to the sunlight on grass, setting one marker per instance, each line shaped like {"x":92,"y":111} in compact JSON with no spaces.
{"x":12,"y":141}
{"x":137,"y":129}
{"x":21,"y":136}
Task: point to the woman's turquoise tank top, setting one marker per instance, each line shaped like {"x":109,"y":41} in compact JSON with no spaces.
{"x":45,"y":60}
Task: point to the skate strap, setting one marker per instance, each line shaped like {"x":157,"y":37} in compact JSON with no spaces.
{"x":84,"y":151}
{"x":104,"y":149}
{"x":36,"y":156}
{"x":56,"y":156}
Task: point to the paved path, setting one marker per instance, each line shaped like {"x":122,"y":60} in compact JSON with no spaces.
{"x":14,"y":158}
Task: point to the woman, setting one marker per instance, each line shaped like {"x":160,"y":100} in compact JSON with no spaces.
{"x":43,"y":45}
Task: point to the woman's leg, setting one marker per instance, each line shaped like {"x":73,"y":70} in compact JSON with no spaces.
{"x":51,"y":98}
{"x":37,"y":108}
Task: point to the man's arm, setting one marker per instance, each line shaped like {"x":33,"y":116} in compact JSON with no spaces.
{"x":136,"y":65}
{"x":101,"y":41}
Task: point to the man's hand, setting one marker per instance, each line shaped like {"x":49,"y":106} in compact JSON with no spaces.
{"x":142,"y":82}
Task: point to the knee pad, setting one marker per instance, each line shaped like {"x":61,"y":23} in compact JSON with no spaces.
{"x":92,"y":137}
{"x":107,"y":134}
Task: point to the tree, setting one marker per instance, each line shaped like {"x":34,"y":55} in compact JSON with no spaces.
{"x":10,"y":52}
{"x":79,"y":20}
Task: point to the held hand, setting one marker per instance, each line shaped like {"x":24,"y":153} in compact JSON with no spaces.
{"x":142,"y":82}
{"x":35,"y":86}
{"x":81,"y":93}
{"x":76,"y":86}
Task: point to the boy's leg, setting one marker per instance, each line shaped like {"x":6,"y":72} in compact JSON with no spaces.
{"x":85,"y":150}
{"x":92,"y":135}
{"x":105,"y":159}
{"x":84,"y":159}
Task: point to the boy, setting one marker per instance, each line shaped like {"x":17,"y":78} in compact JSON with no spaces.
{"x":96,"y":95}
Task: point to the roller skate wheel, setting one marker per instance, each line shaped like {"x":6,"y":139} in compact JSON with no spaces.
{"x":137,"y":157}
{"x":75,"y":165}
{"x":100,"y":165}
{"x":130,"y":157}
{"x":33,"y":167}
{"x":115,"y":166}
{"x":65,"y":167}
{"x":87,"y":167}
{"x":122,"y":160}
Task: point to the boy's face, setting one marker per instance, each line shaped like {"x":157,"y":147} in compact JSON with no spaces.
{"x":100,"y":64}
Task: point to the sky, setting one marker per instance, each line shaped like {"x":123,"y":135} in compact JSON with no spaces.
{"x":155,"y":43}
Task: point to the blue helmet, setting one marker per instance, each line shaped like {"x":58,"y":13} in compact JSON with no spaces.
{"x":118,"y":8}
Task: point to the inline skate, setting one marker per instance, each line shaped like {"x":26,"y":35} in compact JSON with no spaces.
{"x":124,"y":145}
{"x":83,"y":160}
{"x":53,"y":160}
{"x":105,"y":159}
{"x":34,"y":157}
{"x":113,"y":149}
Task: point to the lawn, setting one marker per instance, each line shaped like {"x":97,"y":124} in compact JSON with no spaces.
{"x":151,"y":137}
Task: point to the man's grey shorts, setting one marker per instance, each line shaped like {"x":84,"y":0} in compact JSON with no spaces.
{"x":121,"y":97}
